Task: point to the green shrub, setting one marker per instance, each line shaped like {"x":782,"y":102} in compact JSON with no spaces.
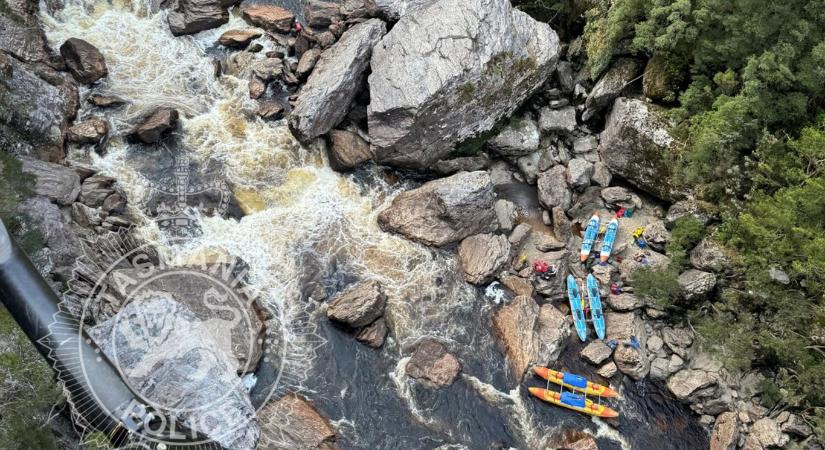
{"x":686,"y":233}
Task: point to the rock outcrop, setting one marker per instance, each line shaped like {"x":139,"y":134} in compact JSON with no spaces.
{"x":58,"y":183}
{"x":482,"y":255}
{"x":634,"y":145}
{"x":530,"y":334}
{"x":433,"y":364}
{"x":443,"y":211}
{"x":338,"y":75}
{"x":359,"y":305}
{"x":448,"y":71}
{"x":395,"y":9}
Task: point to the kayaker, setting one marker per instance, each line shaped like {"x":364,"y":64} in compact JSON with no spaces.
{"x":615,"y":289}
{"x":298,"y":27}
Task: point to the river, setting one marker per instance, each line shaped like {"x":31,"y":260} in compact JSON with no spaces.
{"x":305,"y":223}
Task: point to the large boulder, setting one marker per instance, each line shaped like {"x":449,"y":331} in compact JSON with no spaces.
{"x":193,"y":16}
{"x":482,"y":255}
{"x":709,"y":256}
{"x":704,"y":212}
{"x":530,"y":334}
{"x":292,"y":422}
{"x":725,"y":433}
{"x":151,"y":128}
{"x":338,"y":75}
{"x":359,"y":305}
{"x":395,"y":9}
{"x":319,"y":13}
{"x":688,"y":385}
{"x":269,"y":17}
{"x":61,"y":246}
{"x":433,"y":364}
{"x":443,"y":211}
{"x":553,"y":188}
{"x":520,"y":137}
{"x":84,"y":60}
{"x":450,"y":70}
{"x":347,"y":149}
{"x":696,"y":284}
{"x":58,"y":183}
{"x":36,"y":104}
{"x":631,"y":362}
{"x":610,"y":86}
{"x":767,"y":433}
{"x":634,"y":144}
{"x":178,"y":362}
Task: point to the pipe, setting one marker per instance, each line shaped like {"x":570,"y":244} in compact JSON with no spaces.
{"x":114,"y":410}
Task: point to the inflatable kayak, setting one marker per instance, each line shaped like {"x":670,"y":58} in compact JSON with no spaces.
{"x":574,"y":382}
{"x":576,"y":402}
{"x":576,"y":307}
{"x":595,"y":298}
{"x":590,"y":235}
{"x":609,"y":240}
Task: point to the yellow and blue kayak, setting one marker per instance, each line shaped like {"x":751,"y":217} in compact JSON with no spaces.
{"x":576,"y":402}
{"x":574,"y":382}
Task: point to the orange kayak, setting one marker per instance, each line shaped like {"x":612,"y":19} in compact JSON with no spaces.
{"x":574,"y":382}
{"x":575,"y":402}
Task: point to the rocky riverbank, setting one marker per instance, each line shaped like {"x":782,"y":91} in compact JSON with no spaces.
{"x":514,"y":147}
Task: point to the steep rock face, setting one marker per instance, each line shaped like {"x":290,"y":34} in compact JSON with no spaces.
{"x":20,"y":34}
{"x":193,"y":16}
{"x":58,"y":183}
{"x":36,"y":104}
{"x":335,"y":80}
{"x":633,"y":145}
{"x":450,"y":70}
{"x":443,"y":211}
{"x":530,"y":334}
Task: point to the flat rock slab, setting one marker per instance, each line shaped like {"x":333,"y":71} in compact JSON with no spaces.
{"x":292,"y":422}
{"x":482,"y":255}
{"x":58,"y":183}
{"x":449,"y":70}
{"x":269,"y":17}
{"x":432,"y":363}
{"x":359,"y":305}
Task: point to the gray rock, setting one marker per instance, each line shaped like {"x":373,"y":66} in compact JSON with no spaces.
{"x":625,"y":302}
{"x":686,"y":384}
{"x":443,"y":211}
{"x":21,"y":34}
{"x":631,"y":362}
{"x":585,"y":144}
{"x":596,"y":352}
{"x":482,"y":255}
{"x":678,"y":340}
{"x":84,"y":60}
{"x":558,"y":120}
{"x":519,"y":138}
{"x":530,"y":334}
{"x":85,"y":216}
{"x":796,"y":425}
{"x":96,"y":189}
{"x":321,"y":14}
{"x":725,"y":432}
{"x":610,"y":86}
{"x":616,"y":195}
{"x":622,"y":325}
{"x":193,"y":16}
{"x":461,"y":164}
{"x":633,"y":145}
{"x":62,"y":246}
{"x":269,"y":17}
{"x":519,"y":234}
{"x":579,"y":172}
{"x":656,"y":235}
{"x":660,"y":369}
{"x":151,"y":128}
{"x":601,"y":174}
{"x":325,"y":99}
{"x":529,"y":167}
{"x":433,"y":364}
{"x":767,"y":433}
{"x":270,"y":110}
{"x":58,"y":183}
{"x":641,"y":258}
{"x":702,"y":211}
{"x":779,"y":276}
{"x":358,"y":306}
{"x":564,"y":76}
{"x":38,"y":104}
{"x":267,"y":69}
{"x":709,"y":256}
{"x":192,"y":369}
{"x":89,"y":131}
{"x":373,"y":334}
{"x":347,"y":150}
{"x":240,"y":38}
{"x":506,"y":214}
{"x":396,"y":9}
{"x":553,"y":188}
{"x":560,"y":103}
{"x":450,"y":70}
{"x":292,"y":422}
{"x":308,"y":61}
{"x":696,"y":284}
{"x":562,"y":227}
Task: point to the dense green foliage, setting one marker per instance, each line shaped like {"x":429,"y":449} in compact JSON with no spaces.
{"x":749,"y":108}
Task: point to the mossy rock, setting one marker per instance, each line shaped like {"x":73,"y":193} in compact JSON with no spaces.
{"x":661,"y":79}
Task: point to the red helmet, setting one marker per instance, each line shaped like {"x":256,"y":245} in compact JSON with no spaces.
{"x":540,"y":266}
